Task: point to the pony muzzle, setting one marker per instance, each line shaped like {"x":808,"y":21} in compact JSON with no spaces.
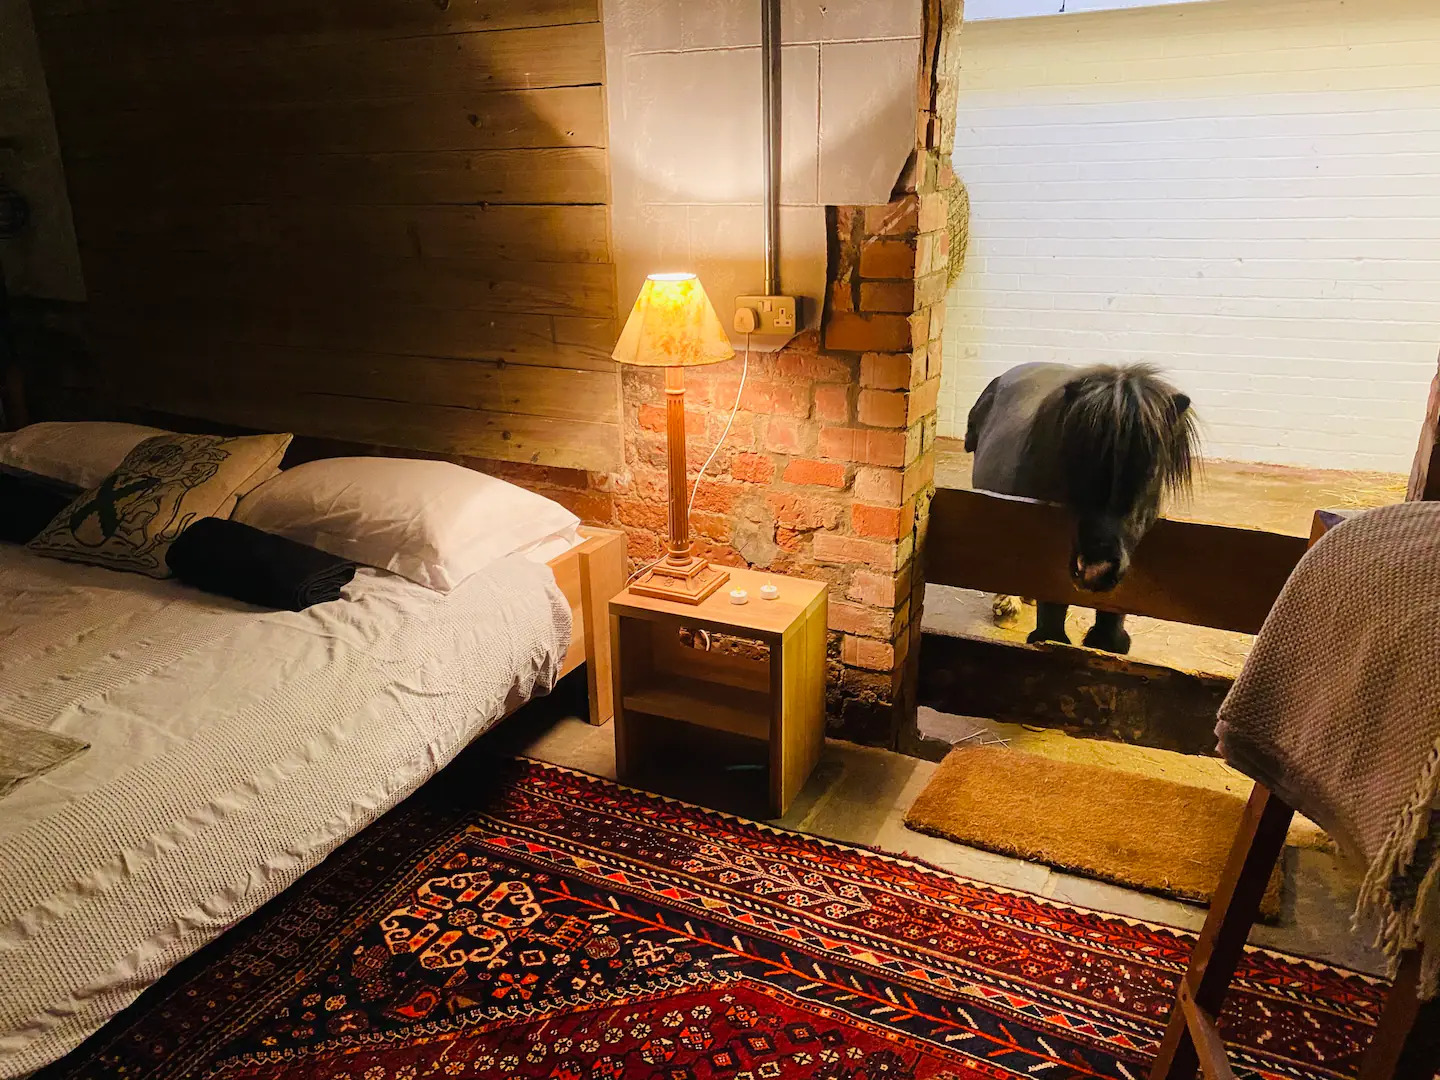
{"x":1101,"y":575}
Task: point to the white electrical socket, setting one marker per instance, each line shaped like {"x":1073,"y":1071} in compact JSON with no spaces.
{"x":773,"y":314}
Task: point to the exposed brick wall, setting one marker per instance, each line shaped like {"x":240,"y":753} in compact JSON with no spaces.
{"x":828,"y":469}
{"x":585,"y":494}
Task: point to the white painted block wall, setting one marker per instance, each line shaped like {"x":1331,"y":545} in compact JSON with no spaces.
{"x":1246,"y":193}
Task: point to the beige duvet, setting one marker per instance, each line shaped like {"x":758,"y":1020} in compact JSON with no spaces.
{"x":229,"y":751}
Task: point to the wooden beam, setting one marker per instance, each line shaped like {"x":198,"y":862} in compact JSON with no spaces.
{"x":346,"y":69}
{"x":1183,"y":571}
{"x":511,"y":119}
{"x":143,"y":366}
{"x":156,"y":27}
{"x":1425,"y":473}
{"x":1080,"y":691}
{"x":469,"y":178}
{"x":492,"y":233}
{"x":402,"y":330}
{"x":566,"y":289}
{"x":437,"y":429}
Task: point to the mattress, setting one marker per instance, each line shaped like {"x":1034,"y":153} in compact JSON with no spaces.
{"x":230,"y":749}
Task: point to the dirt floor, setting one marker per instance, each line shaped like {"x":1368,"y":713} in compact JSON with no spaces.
{"x":1277,"y":498}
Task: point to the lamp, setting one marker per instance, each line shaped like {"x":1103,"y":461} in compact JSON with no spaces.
{"x":674,"y":326}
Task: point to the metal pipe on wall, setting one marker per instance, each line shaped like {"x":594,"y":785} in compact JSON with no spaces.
{"x":770,"y":93}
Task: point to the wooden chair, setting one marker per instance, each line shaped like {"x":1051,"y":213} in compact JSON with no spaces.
{"x":1407,"y":1041}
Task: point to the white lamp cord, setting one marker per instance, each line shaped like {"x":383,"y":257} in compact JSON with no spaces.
{"x":744,"y":371}
{"x":690,"y":506}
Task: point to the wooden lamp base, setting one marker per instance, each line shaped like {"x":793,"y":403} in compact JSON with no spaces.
{"x":681,"y":576}
{"x":687,"y":581}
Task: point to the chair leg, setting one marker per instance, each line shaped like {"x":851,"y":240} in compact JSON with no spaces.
{"x":1259,"y":842}
{"x":1407,"y":1039}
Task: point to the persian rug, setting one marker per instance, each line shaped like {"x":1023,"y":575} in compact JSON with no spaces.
{"x":518,"y":920}
{"x":1024,"y":804}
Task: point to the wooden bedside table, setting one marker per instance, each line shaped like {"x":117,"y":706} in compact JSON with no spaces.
{"x":779,"y":700}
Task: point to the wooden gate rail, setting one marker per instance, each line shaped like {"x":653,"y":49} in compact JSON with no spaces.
{"x":1183,"y":571}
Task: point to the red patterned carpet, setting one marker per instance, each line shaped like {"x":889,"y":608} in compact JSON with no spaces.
{"x":518,"y":920}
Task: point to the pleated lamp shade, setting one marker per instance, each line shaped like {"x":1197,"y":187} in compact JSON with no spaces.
{"x":672,"y":325}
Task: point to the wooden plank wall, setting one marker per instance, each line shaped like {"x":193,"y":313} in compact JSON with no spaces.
{"x":382,"y":221}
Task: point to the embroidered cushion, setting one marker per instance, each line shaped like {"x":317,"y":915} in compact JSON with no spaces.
{"x":163,"y":486}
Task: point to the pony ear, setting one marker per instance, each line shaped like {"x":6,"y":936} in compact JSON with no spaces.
{"x":1180,"y":402}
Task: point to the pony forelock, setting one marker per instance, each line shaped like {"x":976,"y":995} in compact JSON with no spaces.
{"x":1121,"y":430}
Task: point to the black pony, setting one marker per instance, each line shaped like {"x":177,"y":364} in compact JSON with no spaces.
{"x":1106,"y":442}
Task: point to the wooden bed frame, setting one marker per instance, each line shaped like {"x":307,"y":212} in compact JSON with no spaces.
{"x":589,"y":575}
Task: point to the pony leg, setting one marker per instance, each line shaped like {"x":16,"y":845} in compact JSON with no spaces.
{"x":1108,"y":633}
{"x":1049,"y":624}
{"x":1004,"y":607}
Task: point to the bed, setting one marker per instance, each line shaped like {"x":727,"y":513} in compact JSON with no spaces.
{"x":231,"y":748}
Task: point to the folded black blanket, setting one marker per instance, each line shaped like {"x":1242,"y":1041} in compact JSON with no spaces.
{"x":232,"y":559}
{"x":29,"y":502}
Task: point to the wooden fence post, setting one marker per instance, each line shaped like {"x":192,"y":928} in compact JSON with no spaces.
{"x":1425,"y":473}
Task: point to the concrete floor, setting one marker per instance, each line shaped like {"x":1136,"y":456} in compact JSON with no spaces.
{"x":860,"y":795}
{"x":1276,"y":498}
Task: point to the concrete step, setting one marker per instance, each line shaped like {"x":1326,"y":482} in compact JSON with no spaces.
{"x":1198,"y":649}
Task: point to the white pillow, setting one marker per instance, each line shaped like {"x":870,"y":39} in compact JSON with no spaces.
{"x":82,"y":453}
{"x":430,"y":521}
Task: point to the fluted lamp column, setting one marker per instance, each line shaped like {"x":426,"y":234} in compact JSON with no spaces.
{"x":674,"y":326}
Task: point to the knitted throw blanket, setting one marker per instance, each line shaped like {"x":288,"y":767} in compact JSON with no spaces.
{"x":1338,"y":712}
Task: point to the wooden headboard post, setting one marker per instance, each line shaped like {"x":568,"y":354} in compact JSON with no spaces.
{"x":589,"y":575}
{"x":13,"y":413}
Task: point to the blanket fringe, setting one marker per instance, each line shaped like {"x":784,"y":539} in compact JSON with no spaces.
{"x":1402,"y":927}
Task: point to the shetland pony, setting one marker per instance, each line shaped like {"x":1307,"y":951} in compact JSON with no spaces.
{"x":1106,"y":442}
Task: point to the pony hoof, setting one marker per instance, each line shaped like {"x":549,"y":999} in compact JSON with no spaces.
{"x":1004,"y":608}
{"x":1039,"y":637}
{"x":1117,"y":641}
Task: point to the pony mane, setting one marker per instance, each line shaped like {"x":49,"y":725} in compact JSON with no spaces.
{"x":1119,"y":432}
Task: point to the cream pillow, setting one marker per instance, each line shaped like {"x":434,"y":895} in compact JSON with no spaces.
{"x":129,"y":520}
{"x":430,"y":521}
{"x":82,"y":453}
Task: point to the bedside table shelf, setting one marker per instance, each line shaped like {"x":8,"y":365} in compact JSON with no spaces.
{"x":711,"y":705}
{"x":770,"y":693}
